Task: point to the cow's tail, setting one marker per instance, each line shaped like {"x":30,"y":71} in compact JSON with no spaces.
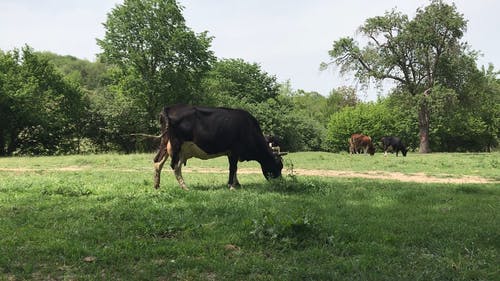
{"x":164,"y":122}
{"x":147,"y":136}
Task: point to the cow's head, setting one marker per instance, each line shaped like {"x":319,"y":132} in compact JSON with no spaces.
{"x":404,"y":150}
{"x":371,"y":149}
{"x":272,"y":169}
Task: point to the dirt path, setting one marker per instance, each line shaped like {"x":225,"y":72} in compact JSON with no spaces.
{"x":380,"y":175}
{"x":416,"y":177}
{"x":377,"y":175}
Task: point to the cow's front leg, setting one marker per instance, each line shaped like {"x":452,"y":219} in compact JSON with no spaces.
{"x":178,"y":175}
{"x":158,"y":167}
{"x":233,"y":167}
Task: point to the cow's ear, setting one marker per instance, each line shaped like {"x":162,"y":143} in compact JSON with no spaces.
{"x":282,"y":153}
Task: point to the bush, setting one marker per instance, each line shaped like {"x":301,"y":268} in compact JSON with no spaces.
{"x":373,"y":119}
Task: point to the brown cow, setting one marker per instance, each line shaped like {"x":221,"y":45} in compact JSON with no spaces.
{"x":360,"y":143}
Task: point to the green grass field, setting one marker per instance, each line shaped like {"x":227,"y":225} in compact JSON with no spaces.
{"x":98,"y":218}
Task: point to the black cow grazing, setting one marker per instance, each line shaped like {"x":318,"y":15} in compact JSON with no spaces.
{"x":207,"y":132}
{"x":395,"y":143}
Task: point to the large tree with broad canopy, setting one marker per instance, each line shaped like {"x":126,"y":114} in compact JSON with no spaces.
{"x":413,"y":53}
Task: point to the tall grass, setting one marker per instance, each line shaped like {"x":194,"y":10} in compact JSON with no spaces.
{"x":106,"y":222}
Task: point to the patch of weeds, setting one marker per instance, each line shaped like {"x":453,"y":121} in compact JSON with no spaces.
{"x":288,"y":165}
{"x":285,"y":232}
{"x":292,"y":184}
{"x":67,"y":189}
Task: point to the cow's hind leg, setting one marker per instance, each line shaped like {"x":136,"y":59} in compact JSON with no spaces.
{"x":158,"y":167}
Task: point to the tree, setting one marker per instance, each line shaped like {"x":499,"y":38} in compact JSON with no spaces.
{"x":413,"y":53}
{"x":490,"y":108}
{"x":40,"y":109}
{"x":340,"y":98}
{"x":161,"y":59}
{"x":89,"y":75}
{"x":234,"y":82}
{"x":303,"y":124}
{"x":310,"y":104}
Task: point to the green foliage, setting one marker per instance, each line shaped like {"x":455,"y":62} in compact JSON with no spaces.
{"x":234,"y":82}
{"x":41,"y":111}
{"x":463,"y":121}
{"x":91,"y":76}
{"x":310,"y":104}
{"x":161,"y":60}
{"x":416,"y":54}
{"x":340,"y":98}
{"x":115,"y":117}
{"x":373,"y":119}
{"x":303,"y":126}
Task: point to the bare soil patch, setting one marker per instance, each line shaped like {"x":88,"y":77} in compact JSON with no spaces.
{"x":380,"y":175}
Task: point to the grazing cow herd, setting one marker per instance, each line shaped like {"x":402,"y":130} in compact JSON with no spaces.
{"x":359,"y":143}
{"x":209,"y":132}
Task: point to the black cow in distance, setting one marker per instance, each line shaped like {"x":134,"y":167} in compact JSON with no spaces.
{"x":395,"y":143}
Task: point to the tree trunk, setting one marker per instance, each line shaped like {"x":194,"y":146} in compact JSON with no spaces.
{"x":2,"y":144}
{"x":423,"y":126}
{"x":12,"y":143}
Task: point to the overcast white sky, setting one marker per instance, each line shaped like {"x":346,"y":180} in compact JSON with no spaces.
{"x":287,"y":38}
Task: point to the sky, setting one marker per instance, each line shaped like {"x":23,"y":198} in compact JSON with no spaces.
{"x":287,"y":38}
